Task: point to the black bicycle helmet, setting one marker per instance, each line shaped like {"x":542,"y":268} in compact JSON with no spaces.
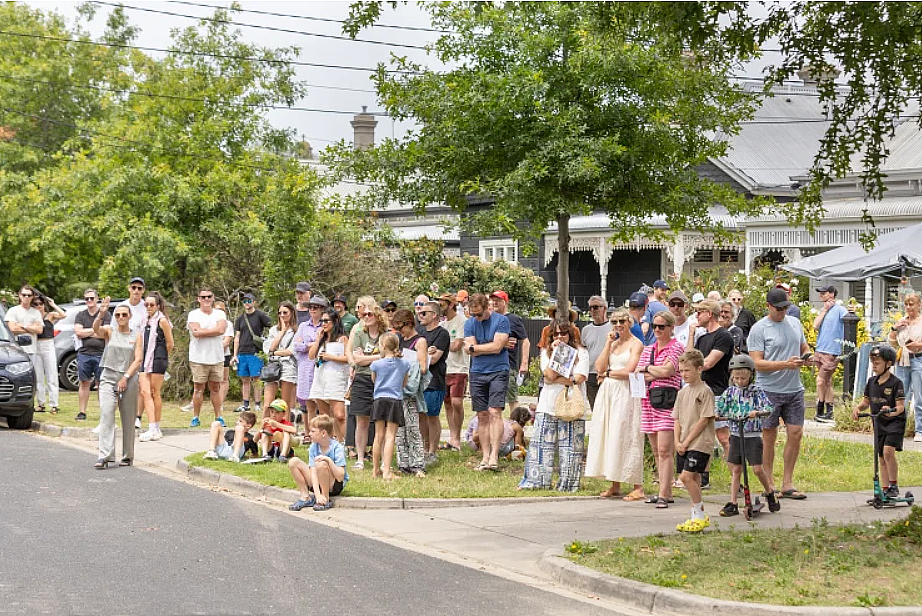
{"x":884,"y":352}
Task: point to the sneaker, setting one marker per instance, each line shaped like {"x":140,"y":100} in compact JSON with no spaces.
{"x":241,"y":409}
{"x":729,"y":510}
{"x":892,"y":492}
{"x":187,"y":408}
{"x":283,"y":459}
{"x":258,"y":410}
{"x":917,"y":438}
{"x":706,"y":481}
{"x":81,"y":416}
{"x":209,"y":455}
{"x":303,"y":503}
{"x":151,"y":435}
{"x":195,"y":423}
{"x":773,"y":505}
{"x":220,"y":420}
{"x":137,"y":423}
{"x":430,"y":459}
{"x":233,"y":459}
{"x":825,"y":418}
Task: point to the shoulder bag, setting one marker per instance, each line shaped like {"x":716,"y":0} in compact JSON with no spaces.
{"x":272,"y":371}
{"x":257,"y":340}
{"x":570,"y":404}
{"x":661,"y":397}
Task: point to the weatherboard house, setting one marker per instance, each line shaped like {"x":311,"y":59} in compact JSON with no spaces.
{"x":770,"y":156}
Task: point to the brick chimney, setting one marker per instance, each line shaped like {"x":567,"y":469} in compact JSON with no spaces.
{"x":363,"y":126}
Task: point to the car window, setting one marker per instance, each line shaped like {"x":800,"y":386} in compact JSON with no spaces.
{"x":5,"y":335}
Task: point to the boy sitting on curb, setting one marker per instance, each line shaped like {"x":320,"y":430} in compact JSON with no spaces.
{"x":324,"y":475}
{"x":277,"y":432}
{"x":237,"y":441}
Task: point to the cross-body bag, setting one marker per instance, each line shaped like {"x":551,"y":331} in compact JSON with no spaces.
{"x":272,"y":371}
{"x":257,"y":340}
{"x":661,"y":397}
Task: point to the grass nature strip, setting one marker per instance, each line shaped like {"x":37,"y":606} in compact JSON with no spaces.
{"x":864,"y":565}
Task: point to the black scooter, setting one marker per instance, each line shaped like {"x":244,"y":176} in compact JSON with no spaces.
{"x":751,"y":506}
{"x":880,"y":495}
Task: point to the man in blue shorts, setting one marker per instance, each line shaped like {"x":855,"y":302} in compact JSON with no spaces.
{"x":248,"y":339}
{"x":485,"y":336}
{"x":776,"y":344}
{"x":89,"y":353}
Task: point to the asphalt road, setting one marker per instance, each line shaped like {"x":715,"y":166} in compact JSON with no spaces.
{"x":74,"y":540}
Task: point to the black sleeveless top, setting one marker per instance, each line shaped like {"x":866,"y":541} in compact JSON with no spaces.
{"x":47,"y":331}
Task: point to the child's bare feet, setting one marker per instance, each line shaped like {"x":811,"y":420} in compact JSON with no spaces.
{"x":420,"y":474}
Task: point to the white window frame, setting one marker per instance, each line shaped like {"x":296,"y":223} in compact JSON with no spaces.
{"x":499,"y":250}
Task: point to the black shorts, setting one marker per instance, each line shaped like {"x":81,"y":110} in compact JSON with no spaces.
{"x":158,"y":366}
{"x":753,"y":446}
{"x":891,"y":439}
{"x":337,"y":488}
{"x":488,"y":390}
{"x":227,"y":359}
{"x":692,"y":461}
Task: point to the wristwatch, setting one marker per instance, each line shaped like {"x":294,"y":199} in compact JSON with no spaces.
{"x":470,"y":349}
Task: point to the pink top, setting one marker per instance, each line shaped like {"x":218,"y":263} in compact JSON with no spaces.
{"x":651,"y":356}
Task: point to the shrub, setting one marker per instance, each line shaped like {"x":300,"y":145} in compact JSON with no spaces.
{"x":909,"y":527}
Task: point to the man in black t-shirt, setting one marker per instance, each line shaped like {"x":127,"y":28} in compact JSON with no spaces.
{"x":884,"y":394}
{"x":252,"y":322}
{"x":438,"y":340}
{"x":716,"y":344}
{"x":89,"y":354}
{"x":518,"y":346}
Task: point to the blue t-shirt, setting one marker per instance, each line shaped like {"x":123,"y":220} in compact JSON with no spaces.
{"x":653,"y":308}
{"x":831,"y":329}
{"x":335,"y":452}
{"x":638,"y":331}
{"x":483,"y":332}
{"x":778,"y":342}
{"x":389,"y":374}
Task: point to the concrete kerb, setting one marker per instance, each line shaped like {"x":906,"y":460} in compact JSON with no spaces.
{"x":284,"y":495}
{"x":658,"y":600}
{"x":55,"y":430}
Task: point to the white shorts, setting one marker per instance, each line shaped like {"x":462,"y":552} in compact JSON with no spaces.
{"x":330,"y":382}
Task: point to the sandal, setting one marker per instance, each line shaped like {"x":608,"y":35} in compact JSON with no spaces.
{"x":693,"y":526}
{"x":654,"y":500}
{"x":101,"y":463}
{"x":482,"y":467}
{"x":358,"y":466}
{"x":611,"y":492}
{"x":40,"y":408}
{"x":662,"y":503}
{"x":126,"y":462}
{"x":793,"y":494}
{"x":54,"y":410}
{"x":448,"y":447}
{"x":634,"y":496}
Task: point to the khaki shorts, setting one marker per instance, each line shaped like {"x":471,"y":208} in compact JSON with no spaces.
{"x":203,"y":373}
{"x":826,"y":364}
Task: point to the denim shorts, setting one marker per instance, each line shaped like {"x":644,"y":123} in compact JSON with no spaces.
{"x":488,"y":390}
{"x":226,"y":452}
{"x":88,"y":368}
{"x":249,"y":366}
{"x":434,"y":400}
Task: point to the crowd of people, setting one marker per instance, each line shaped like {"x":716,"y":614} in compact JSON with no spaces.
{"x":695,"y":378}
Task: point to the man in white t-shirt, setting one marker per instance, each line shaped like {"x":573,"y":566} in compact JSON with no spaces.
{"x":457,"y":366}
{"x":24,"y":319}
{"x":206,"y":353}
{"x":678,"y":306}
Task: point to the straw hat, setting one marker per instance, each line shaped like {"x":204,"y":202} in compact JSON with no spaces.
{"x":552,"y":311}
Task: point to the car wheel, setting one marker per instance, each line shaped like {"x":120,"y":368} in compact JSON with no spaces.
{"x":67,"y":373}
{"x":23,"y":422}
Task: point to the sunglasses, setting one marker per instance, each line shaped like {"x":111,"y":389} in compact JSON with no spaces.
{"x":89,"y":299}
{"x":736,"y":299}
{"x":38,"y":304}
{"x":596,"y":307}
{"x":247,"y":301}
{"x":390,"y":310}
{"x":205,"y":296}
{"x":618,"y":321}
{"x":422,"y":312}
{"x":326,"y":320}
{"x":419,"y":304}
{"x":561,"y":334}
{"x":122,"y":315}
{"x":153,"y":304}
{"x":660,"y":326}
{"x":25,"y":294}
{"x":312,"y":307}
{"x":677,"y":304}
{"x":368,"y":314}
{"x":135,"y":287}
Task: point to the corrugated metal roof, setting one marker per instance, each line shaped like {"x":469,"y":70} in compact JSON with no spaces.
{"x":844,"y":209}
{"x":432,"y":232}
{"x":905,"y":147}
{"x":599,"y":221}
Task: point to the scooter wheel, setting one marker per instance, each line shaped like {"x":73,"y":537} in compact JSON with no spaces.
{"x":747,"y":513}
{"x":910,"y":499}
{"x":877,"y":502}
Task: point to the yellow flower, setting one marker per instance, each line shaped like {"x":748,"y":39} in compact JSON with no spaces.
{"x":684,"y":577}
{"x":806,"y":551}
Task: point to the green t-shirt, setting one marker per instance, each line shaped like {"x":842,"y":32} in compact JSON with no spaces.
{"x":349,"y":320}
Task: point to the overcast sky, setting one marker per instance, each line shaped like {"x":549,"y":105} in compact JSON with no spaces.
{"x":318,"y":128}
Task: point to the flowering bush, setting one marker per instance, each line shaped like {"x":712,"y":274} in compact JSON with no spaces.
{"x":527,"y":295}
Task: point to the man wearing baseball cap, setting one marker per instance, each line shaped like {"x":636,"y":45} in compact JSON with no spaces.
{"x":793,"y":309}
{"x":518,"y":345}
{"x":303,"y":296}
{"x":777,"y":344}
{"x":341,"y":305}
{"x":654,"y":306}
{"x":248,"y":338}
{"x":637,"y":305}
{"x":830,"y":331}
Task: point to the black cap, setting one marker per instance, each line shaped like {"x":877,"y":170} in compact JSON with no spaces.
{"x":303,"y":287}
{"x":341,"y":298}
{"x":388,"y":302}
{"x":249,"y":296}
{"x":827,"y":289}
{"x":637,"y":300}
{"x":778,"y":298}
{"x":137,"y":279}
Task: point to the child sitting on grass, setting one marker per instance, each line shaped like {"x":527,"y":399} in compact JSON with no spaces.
{"x":277,"y":432}
{"x":324,"y":476}
{"x":389,"y":375}
{"x":884,"y":395}
{"x":743,"y":399}
{"x":694,"y":435}
{"x":236,"y":442}
{"x":513,"y":445}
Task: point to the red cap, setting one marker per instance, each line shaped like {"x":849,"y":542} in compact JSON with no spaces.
{"x":501,"y":294}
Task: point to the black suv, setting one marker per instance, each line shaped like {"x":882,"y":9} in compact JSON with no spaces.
{"x":17,"y":379}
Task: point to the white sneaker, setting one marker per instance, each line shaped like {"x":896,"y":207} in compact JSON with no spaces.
{"x":137,"y":423}
{"x":187,"y":408}
{"x":209,"y":455}
{"x":96,"y":429}
{"x":151,"y":435}
{"x":917,"y":438}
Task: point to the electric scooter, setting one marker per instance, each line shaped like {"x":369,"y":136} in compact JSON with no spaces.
{"x":751,"y":506}
{"x":880,"y":495}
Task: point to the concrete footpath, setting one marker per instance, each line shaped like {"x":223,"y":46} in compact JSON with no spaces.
{"x":514,"y":538}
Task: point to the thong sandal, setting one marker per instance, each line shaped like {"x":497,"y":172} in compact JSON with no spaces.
{"x":634,"y":496}
{"x":793,"y":494}
{"x":662,"y":503}
{"x":448,"y":447}
{"x":611,"y":492}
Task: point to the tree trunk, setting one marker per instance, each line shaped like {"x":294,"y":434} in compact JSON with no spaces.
{"x":563,"y":265}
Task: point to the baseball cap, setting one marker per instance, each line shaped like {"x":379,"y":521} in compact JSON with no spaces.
{"x":501,"y":294}
{"x":319,"y":300}
{"x":449,"y":297}
{"x":249,"y":296}
{"x":778,"y":298}
{"x":660,"y":284}
{"x":388,"y":302}
{"x":637,"y":300}
{"x":677,"y":294}
{"x":462,"y":295}
{"x":303,"y":287}
{"x":137,"y":279}
{"x":341,"y":298}
{"x":783,"y":285}
{"x":697,"y":297}
{"x":279,"y":405}
{"x":827,"y":289}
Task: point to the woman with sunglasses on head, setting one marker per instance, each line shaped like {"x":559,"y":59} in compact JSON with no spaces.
{"x":45,"y":360}
{"x":659,"y":364}
{"x":553,"y":437}
{"x":156,"y":346}
{"x":331,"y":374}
{"x":361,"y":350}
{"x":615,"y":440}
{"x":118,"y":384}
{"x":278,"y":347}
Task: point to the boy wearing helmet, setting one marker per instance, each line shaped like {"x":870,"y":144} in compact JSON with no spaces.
{"x":884,"y":395}
{"x":744,"y":399}
{"x":277,"y":431}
